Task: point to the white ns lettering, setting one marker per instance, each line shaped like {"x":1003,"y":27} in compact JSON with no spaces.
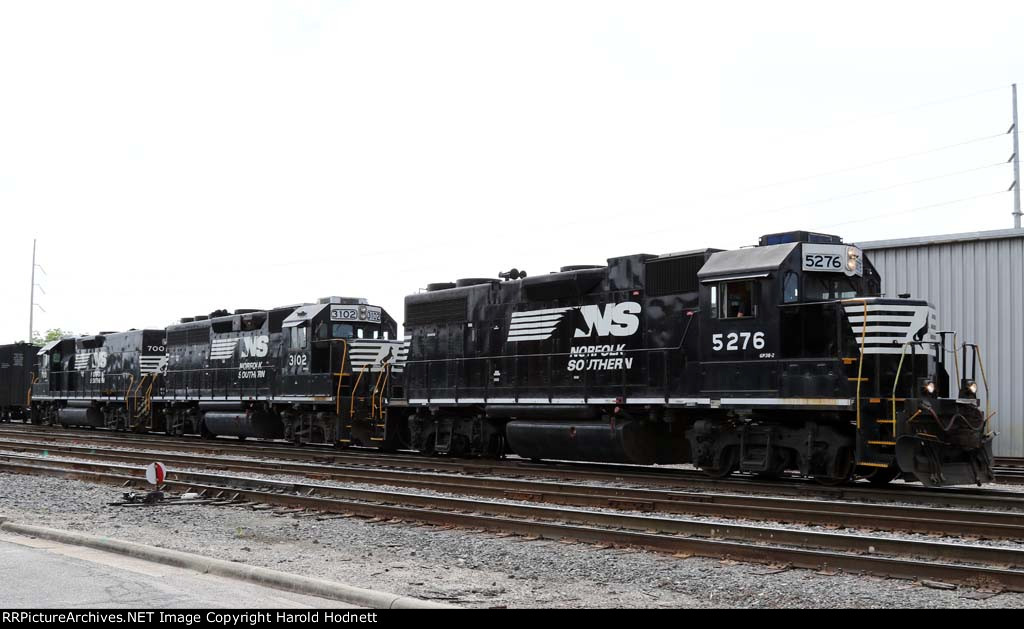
{"x":614,"y":320}
{"x":255,"y":346}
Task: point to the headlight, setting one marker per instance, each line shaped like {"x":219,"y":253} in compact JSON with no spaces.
{"x":972,"y":387}
{"x":929,"y":387}
{"x":851,"y":258}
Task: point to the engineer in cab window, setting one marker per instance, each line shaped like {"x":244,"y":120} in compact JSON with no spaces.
{"x":738,"y":299}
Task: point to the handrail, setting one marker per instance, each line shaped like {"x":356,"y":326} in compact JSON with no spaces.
{"x":355,"y":385}
{"x":899,"y":368}
{"x":135,"y":395}
{"x":127,"y":392}
{"x":383,"y":389}
{"x":373,"y":394}
{"x":984,"y":379}
{"x":149,"y":393}
{"x":340,"y":374}
{"x":860,"y":364}
{"x":32,"y":382}
{"x":896,"y":384}
{"x":956,"y":361}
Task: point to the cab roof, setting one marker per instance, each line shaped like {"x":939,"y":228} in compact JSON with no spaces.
{"x":746,"y":261}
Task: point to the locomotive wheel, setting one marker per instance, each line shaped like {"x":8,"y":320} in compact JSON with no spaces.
{"x":844,"y":467}
{"x":727,"y":464}
{"x":881,"y":476}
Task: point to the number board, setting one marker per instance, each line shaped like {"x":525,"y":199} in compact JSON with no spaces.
{"x":370,"y":314}
{"x":832,"y":258}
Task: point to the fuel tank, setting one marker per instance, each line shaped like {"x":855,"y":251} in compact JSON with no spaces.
{"x":627,"y":441}
{"x":80,"y":416}
{"x":255,"y":424}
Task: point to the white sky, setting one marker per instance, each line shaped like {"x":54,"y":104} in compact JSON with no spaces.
{"x":174,"y":158}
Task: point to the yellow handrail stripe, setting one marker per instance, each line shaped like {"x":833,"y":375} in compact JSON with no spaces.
{"x":956,"y":360}
{"x":984,"y":379}
{"x":341,"y":372}
{"x":28,"y":396}
{"x":355,"y":386}
{"x":896,"y":380}
{"x":383,"y":388}
{"x":860,"y":363}
{"x":373,"y":396}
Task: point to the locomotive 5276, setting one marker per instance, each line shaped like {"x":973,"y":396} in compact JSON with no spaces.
{"x":778,"y":357}
{"x":763,"y":359}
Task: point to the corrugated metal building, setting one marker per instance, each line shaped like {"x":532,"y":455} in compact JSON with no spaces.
{"x":976,"y":283}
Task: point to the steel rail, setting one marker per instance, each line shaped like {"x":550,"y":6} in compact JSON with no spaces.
{"x":948,"y":522}
{"x":660,"y":477}
{"x":889,"y":557}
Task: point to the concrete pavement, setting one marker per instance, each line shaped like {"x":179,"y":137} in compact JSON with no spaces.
{"x":42,"y":573}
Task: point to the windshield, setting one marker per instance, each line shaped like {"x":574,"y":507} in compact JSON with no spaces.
{"x":826,"y":287}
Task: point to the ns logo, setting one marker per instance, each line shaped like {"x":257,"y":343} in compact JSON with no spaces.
{"x":254,"y":346}
{"x":610,"y":320}
{"x":603,"y":320}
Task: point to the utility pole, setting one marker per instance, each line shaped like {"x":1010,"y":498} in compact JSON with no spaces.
{"x":32,"y":305}
{"x":1016,"y":162}
{"x":32,"y":298}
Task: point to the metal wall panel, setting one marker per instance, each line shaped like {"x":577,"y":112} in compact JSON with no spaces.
{"x":976,"y":283}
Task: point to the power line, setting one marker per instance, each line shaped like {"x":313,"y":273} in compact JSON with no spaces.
{"x":886,"y":160}
{"x":916,"y":209}
{"x":881,"y":189}
{"x":924,"y":105}
{"x":741,"y":191}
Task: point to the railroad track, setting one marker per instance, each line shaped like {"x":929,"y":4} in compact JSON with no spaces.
{"x":926,"y":520}
{"x":960,"y":563}
{"x":672,"y":478}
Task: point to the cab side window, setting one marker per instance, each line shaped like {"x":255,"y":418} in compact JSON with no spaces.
{"x":790,"y":288}
{"x":737,"y":300}
{"x":299,"y":337}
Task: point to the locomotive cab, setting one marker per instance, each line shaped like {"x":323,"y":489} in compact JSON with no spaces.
{"x":776,"y":302}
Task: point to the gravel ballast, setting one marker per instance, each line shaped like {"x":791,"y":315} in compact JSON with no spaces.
{"x":458,"y":566}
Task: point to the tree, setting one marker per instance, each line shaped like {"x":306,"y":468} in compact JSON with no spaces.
{"x":53,"y":334}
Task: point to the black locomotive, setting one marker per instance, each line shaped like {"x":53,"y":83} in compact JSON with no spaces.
{"x":763,"y":359}
{"x":782,"y":356}
{"x":315,"y":372}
